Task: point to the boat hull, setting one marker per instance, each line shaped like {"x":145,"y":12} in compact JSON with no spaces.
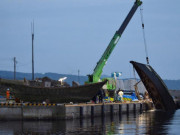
{"x":78,"y":94}
{"x":155,"y":86}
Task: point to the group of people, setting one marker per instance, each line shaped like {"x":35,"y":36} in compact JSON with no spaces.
{"x":101,"y":94}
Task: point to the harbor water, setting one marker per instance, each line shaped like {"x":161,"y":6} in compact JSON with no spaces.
{"x":151,"y":122}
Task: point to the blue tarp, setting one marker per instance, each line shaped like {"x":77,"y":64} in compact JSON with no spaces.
{"x":1,"y":96}
{"x":132,"y":97}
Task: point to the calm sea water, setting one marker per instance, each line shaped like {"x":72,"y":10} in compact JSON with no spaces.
{"x":145,"y":123}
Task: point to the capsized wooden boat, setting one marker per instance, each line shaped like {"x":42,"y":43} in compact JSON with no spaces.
{"x":155,"y":86}
{"x":77,"y":94}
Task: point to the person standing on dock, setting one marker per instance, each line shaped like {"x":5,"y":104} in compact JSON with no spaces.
{"x":121,"y":95}
{"x":101,"y":95}
{"x":7,"y":94}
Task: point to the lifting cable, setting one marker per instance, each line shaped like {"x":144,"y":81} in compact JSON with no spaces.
{"x":142,"y":21}
{"x":134,"y":73}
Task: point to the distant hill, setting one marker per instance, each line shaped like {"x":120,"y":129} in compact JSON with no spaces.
{"x":54,"y":76}
{"x":171,"y":84}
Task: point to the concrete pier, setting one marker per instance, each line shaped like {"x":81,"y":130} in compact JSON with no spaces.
{"x":67,"y":111}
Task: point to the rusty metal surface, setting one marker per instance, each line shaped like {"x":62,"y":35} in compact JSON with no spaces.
{"x":155,"y":86}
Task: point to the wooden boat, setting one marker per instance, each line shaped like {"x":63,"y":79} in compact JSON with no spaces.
{"x":77,"y":94}
{"x":155,"y":86}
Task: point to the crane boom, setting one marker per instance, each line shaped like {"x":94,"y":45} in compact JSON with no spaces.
{"x":95,"y":77}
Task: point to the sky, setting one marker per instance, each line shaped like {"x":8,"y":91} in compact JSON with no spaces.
{"x":71,"y":35}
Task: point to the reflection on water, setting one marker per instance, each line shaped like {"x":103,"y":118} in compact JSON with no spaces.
{"x":145,"y":123}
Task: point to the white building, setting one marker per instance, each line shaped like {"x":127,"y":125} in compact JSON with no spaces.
{"x":128,"y":84}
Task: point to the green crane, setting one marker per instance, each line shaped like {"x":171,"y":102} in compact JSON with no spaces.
{"x":95,"y":77}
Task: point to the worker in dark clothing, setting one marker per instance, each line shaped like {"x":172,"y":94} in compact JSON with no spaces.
{"x":101,"y":95}
{"x":94,"y":99}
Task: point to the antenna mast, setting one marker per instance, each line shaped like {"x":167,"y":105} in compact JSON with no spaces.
{"x":32,"y":32}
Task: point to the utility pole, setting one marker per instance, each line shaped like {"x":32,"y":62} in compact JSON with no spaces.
{"x":15,"y":62}
{"x":78,"y":76}
{"x":32,"y":32}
